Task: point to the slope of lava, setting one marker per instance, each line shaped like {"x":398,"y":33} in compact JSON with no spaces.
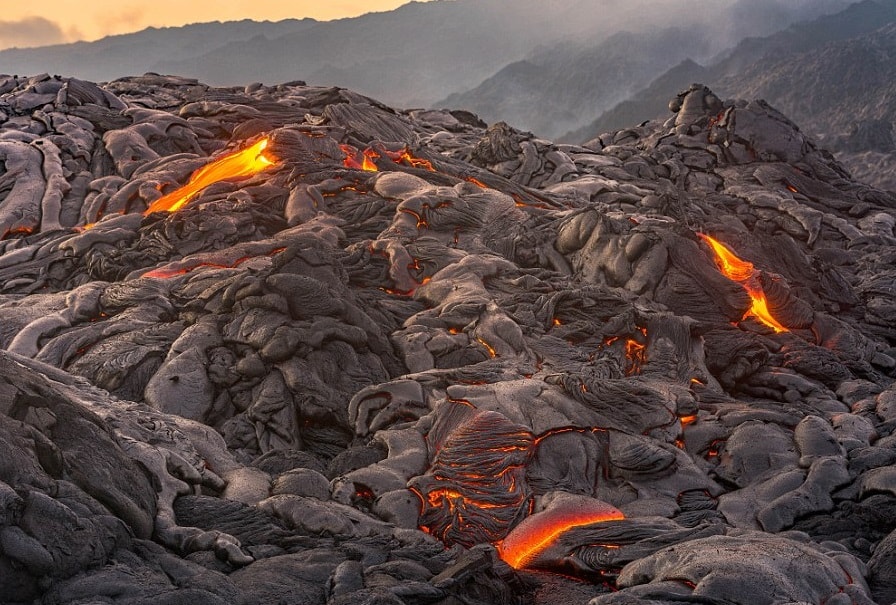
{"x":287,"y":344}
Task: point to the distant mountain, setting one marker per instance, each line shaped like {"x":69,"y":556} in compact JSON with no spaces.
{"x":651,"y":101}
{"x":829,"y":90}
{"x":116,"y":56}
{"x":560,"y":88}
{"x":420,"y":53}
{"x":409,"y":56}
{"x":751,"y":55}
{"x":557,"y":89}
{"x":835,"y":76}
{"x":842,"y":94}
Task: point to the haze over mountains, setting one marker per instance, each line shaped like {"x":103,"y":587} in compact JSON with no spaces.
{"x":421,"y":53}
{"x":835,"y":76}
{"x":563,"y":69}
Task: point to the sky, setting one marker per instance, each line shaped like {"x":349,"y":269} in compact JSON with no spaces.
{"x":26,"y":24}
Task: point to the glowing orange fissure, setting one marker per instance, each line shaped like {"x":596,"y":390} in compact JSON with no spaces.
{"x":17,"y":231}
{"x":635,"y":352}
{"x":234,"y":166}
{"x":536,"y":532}
{"x":364,"y":160}
{"x":541,"y":531}
{"x":169,"y":272}
{"x":745,"y":274}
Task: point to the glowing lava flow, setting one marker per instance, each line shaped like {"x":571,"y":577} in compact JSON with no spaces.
{"x":359,"y":160}
{"x":234,"y":166}
{"x":537,"y":532}
{"x":364,"y":160}
{"x":746,"y":274}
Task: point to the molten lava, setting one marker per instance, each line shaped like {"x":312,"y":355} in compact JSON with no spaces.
{"x":364,"y":160}
{"x":234,"y":166}
{"x":746,"y":274}
{"x":729,"y":264}
{"x":17,"y":231}
{"x":476,"y":489}
{"x":358,"y":160}
{"x":636,"y":354}
{"x":537,"y":532}
{"x":404,"y":157}
{"x":635,"y":351}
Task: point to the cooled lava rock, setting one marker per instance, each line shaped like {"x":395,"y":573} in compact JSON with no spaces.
{"x":287,"y":344}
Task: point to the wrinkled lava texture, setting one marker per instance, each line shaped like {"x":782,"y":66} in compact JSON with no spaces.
{"x":405,"y":357}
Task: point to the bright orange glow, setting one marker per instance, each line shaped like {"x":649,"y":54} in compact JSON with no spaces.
{"x":404,"y":156}
{"x":454,"y":499}
{"x":17,"y":231}
{"x":477,"y":182}
{"x":491,"y":350}
{"x":359,"y":160}
{"x":744,"y":273}
{"x":729,"y":264}
{"x":166,"y":273}
{"x":364,"y":160}
{"x":760,"y":311}
{"x":636,"y":353}
{"x":689,"y":419}
{"x":234,"y":166}
{"x":539,"y":531}
{"x":367,"y":163}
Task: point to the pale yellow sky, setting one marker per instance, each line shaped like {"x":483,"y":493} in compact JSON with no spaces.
{"x":54,"y":21}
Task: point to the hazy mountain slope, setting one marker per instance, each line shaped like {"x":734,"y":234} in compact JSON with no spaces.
{"x":831,"y":88}
{"x":854,"y":20}
{"x":393,"y":56}
{"x":422,"y":52}
{"x":555,"y":90}
{"x":771,"y":67}
{"x":116,"y":56}
{"x":843,"y":94}
{"x":562,"y":87}
{"x":644,"y":103}
{"x":415,"y":54}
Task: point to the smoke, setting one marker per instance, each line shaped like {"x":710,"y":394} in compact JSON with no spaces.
{"x":120,"y":21}
{"x":763,"y":17}
{"x":723,"y":21}
{"x":33,"y":31}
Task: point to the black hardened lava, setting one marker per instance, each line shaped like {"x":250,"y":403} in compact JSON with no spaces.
{"x":285,"y":344}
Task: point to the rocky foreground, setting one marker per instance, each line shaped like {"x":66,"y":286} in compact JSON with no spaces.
{"x":288,"y":345}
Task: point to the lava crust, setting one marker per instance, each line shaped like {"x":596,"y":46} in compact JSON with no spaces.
{"x":287,"y":344}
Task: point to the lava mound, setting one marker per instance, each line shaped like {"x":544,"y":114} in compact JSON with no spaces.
{"x":285,"y":344}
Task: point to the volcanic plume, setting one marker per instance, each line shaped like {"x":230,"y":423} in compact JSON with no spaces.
{"x":286,"y":344}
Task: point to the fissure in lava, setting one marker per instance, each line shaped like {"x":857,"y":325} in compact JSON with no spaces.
{"x":747,"y":275}
{"x":233,"y":166}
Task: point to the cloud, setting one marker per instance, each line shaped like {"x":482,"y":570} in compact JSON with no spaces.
{"x":125,"y":20}
{"x":31,"y":31}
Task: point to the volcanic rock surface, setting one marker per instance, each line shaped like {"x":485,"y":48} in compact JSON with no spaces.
{"x":400,"y":357}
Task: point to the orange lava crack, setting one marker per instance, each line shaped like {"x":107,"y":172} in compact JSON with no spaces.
{"x":234,"y":166}
{"x":745,"y":274}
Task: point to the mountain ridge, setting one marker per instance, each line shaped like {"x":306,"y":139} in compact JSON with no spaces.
{"x":829,"y":82}
{"x":411,"y":56}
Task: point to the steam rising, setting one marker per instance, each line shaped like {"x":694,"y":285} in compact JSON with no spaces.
{"x":33,"y":31}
